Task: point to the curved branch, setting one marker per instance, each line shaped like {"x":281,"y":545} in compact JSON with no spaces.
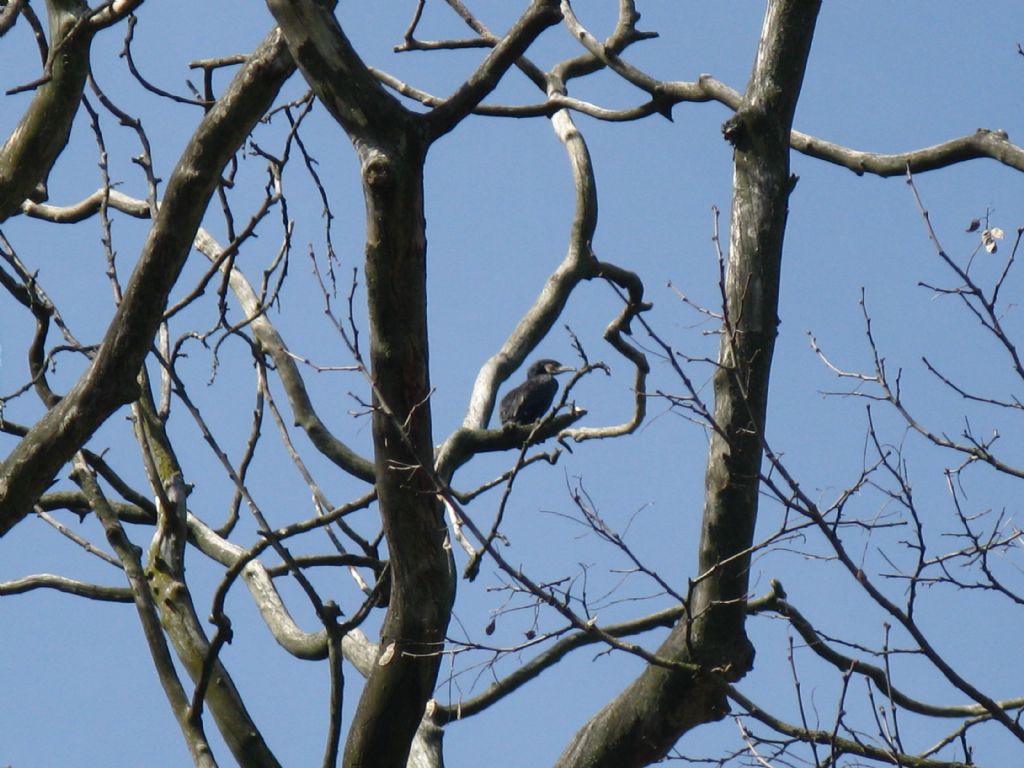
{"x":547,"y":108}
{"x":90,"y":206}
{"x":994,"y":145}
{"x":606,"y":54}
{"x":623,"y":280}
{"x":259,"y":580}
{"x":270,"y":341}
{"x":579,"y":264}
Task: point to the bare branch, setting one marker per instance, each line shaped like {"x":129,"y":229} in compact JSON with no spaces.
{"x":67,"y":586}
{"x":110,"y":381}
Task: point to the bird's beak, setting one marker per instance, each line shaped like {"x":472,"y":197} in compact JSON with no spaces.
{"x":562,"y":369}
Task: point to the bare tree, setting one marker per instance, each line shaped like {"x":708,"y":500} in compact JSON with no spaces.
{"x":402,"y":480}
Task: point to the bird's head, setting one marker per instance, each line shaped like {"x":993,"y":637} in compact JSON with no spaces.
{"x":548,"y":367}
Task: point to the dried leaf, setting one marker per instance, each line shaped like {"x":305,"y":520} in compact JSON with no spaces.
{"x":973,"y":226}
{"x":989,"y":237}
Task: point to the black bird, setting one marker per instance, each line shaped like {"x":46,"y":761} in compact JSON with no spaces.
{"x":531,"y":399}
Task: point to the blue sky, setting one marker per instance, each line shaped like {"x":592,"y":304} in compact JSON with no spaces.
{"x":79,"y":686}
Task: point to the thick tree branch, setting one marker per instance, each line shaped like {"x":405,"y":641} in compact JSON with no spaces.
{"x":391,"y":147}
{"x":336,"y":74}
{"x":642,"y":723}
{"x":541,"y":15}
{"x":995,"y":145}
{"x":165,"y":578}
{"x":149,"y":617}
{"x":31,"y":150}
{"x":270,"y":341}
{"x":110,"y":380}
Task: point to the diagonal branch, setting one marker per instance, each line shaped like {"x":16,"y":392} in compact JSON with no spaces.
{"x":149,"y":616}
{"x":111,"y":379}
{"x":541,"y":15}
{"x":33,"y":147}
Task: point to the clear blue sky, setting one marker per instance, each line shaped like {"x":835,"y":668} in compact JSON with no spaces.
{"x":79,"y":688}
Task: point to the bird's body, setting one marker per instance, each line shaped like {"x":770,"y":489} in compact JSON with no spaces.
{"x":531,"y":399}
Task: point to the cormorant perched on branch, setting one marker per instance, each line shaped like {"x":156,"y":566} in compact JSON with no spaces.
{"x":531,"y":399}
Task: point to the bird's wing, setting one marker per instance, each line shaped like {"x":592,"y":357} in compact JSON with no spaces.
{"x":510,"y":404}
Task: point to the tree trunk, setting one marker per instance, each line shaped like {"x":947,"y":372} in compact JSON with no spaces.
{"x":422,"y":580}
{"x":391,"y":143}
{"x":640,"y":725}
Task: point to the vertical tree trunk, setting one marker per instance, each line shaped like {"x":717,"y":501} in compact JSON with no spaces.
{"x":759,"y":131}
{"x":422,"y":581}
{"x":391,"y":143}
{"x":640,"y":725}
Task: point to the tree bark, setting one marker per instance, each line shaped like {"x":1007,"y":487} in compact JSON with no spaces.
{"x":392,"y":144}
{"x":31,"y":150}
{"x":640,"y":725}
{"x":172,"y":598}
{"x":422,"y":579}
